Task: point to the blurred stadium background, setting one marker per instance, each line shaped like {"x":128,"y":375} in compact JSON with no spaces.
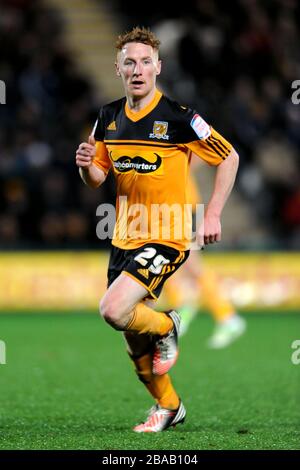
{"x":235,"y":63}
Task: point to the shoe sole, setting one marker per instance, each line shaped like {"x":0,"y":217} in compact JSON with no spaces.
{"x":179,"y":422}
{"x":170,"y":426}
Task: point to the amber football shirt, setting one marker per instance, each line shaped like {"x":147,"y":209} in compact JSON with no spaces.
{"x":149,"y":152}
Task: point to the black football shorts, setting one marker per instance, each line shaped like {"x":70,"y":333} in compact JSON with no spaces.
{"x":150,"y":265}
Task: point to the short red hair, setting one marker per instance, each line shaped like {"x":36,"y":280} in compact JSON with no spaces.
{"x":138,"y":34}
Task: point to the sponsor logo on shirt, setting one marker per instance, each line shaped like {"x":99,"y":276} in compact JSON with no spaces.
{"x":201,"y":127}
{"x":125,"y":164}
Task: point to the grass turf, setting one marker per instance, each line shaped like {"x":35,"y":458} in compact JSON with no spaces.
{"x":68,"y":384}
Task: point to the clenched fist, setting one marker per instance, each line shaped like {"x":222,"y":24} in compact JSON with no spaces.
{"x":86,"y":153}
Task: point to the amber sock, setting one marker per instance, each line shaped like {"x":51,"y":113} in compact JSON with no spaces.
{"x":160,"y":386}
{"x":146,"y":320}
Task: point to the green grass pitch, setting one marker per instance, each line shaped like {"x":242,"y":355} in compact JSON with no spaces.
{"x":68,"y":384}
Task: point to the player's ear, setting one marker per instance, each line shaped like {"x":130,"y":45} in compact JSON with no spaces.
{"x":117,"y":69}
{"x":158,"y":67}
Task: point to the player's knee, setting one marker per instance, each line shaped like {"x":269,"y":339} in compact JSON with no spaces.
{"x":106,"y":309}
{"x":111,"y":312}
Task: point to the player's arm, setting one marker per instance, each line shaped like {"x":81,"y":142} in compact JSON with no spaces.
{"x":224,"y":181}
{"x":90,"y":173}
{"x":213,"y":148}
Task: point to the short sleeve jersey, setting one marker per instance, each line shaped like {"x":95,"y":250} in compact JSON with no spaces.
{"x":149,"y":154}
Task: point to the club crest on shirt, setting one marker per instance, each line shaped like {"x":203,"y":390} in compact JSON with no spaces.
{"x":159,"y":130}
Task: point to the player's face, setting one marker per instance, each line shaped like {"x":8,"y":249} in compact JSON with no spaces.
{"x":138,"y":66}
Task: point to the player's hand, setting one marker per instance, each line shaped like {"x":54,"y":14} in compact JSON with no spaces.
{"x":210,"y":230}
{"x":86,"y":153}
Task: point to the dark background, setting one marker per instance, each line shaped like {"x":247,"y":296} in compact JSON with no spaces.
{"x":233,"y":61}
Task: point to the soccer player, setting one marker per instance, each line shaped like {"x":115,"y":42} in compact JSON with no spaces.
{"x":145,"y":139}
{"x":197,"y":284}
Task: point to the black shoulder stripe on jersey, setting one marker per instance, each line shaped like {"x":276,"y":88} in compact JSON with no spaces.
{"x":215,"y":149}
{"x":142,"y":144}
{"x":214,"y":139}
{"x":217,"y":145}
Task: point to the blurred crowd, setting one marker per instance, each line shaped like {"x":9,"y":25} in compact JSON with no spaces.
{"x":50,"y":108}
{"x":233,"y":61}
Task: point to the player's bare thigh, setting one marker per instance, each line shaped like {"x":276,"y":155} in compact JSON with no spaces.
{"x":120,"y":299}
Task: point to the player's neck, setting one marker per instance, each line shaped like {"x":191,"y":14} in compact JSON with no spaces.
{"x":136,"y":103}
